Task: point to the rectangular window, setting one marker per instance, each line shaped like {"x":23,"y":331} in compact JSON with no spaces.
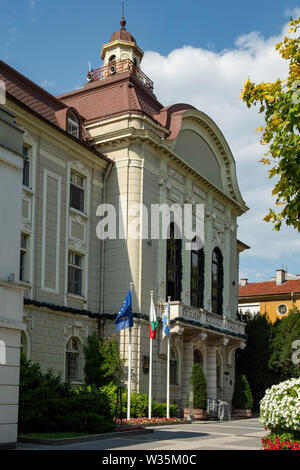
{"x":23,"y":257}
{"x":73,"y":126}
{"x":77,"y":190}
{"x":75,"y":266}
{"x":26,"y":166}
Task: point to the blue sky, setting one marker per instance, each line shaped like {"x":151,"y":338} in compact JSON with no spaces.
{"x":199,"y":52}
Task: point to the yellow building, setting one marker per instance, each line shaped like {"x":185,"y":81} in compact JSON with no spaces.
{"x":274,"y":298}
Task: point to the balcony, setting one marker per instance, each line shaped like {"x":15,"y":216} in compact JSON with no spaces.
{"x":204,"y":318}
{"x":115,"y":68}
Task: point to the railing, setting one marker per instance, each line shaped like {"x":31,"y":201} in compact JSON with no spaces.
{"x":179,"y":309}
{"x":114,"y":68}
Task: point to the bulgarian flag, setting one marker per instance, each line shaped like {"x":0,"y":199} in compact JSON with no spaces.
{"x":153,"y":321}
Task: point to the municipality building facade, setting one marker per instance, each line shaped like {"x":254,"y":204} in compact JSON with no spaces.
{"x":113,"y":140}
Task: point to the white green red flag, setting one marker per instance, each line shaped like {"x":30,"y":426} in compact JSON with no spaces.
{"x":153,"y":321}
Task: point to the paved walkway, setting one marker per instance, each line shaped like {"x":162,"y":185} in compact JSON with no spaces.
{"x":230,"y":435}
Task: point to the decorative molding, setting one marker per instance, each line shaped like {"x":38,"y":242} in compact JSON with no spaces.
{"x":200,"y":192}
{"x":219,"y":206}
{"x":176,"y":330}
{"x":176,"y":175}
{"x":49,"y":174}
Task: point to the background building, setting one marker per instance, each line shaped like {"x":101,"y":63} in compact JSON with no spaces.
{"x":112,"y":138}
{"x":275,"y":297}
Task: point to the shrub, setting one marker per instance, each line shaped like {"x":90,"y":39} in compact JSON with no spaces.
{"x":280,"y":407}
{"x":198,"y":382}
{"x":47,"y":404}
{"x":242,"y":397}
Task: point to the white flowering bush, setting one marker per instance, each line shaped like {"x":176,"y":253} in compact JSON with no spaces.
{"x":280,"y":407}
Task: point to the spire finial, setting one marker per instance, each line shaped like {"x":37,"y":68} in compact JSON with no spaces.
{"x":123,"y":21}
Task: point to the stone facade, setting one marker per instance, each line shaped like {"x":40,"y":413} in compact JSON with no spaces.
{"x":11,"y":293}
{"x":144,"y":154}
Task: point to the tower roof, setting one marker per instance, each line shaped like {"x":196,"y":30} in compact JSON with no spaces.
{"x":123,"y":34}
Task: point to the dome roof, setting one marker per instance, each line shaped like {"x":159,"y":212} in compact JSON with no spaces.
{"x":123,"y":34}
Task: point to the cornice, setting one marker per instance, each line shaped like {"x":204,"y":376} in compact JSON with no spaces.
{"x":130,"y":135}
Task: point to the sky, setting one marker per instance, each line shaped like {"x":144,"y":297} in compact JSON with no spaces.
{"x":197,"y":52}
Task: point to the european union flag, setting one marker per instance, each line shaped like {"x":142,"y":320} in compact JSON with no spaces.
{"x":125,"y":316}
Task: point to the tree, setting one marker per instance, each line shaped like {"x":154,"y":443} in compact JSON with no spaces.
{"x":280,"y":103}
{"x":198,"y":382}
{"x":103,"y":364}
{"x":254,"y":359}
{"x":242,"y":397}
{"x":284,"y":332}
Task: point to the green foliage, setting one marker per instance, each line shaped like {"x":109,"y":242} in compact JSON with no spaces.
{"x":242,"y":397}
{"x":103,"y":363}
{"x":253,"y":360}
{"x":159,"y":410}
{"x":284,"y":332}
{"x":280,"y":104}
{"x":47,"y":404}
{"x":139,"y":403}
{"x":198,"y":382}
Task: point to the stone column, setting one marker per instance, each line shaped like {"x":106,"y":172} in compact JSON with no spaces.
{"x":211,"y":371}
{"x":186,"y":372}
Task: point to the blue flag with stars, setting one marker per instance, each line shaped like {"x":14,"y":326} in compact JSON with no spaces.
{"x":125,"y":316}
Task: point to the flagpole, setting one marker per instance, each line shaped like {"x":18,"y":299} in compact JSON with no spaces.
{"x":129,"y":365}
{"x":150,"y":372}
{"x":168,"y":363}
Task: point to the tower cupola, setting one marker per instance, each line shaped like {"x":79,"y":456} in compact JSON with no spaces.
{"x":122,"y":46}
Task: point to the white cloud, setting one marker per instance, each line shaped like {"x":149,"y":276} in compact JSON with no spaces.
{"x":212,"y":82}
{"x":47,"y":84}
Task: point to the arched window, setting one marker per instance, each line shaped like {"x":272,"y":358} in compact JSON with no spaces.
{"x":197,"y":277}
{"x":174,"y":265}
{"x":73,"y":359}
{"x":173,"y":368}
{"x":217,"y":282}
{"x":198,"y":357}
{"x":73,"y":125}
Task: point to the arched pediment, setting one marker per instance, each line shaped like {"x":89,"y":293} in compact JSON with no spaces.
{"x":196,"y":139}
{"x":198,"y":154}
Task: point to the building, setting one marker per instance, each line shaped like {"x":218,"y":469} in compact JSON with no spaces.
{"x":275,"y":297}
{"x":112,"y":139}
{"x":11,"y":292}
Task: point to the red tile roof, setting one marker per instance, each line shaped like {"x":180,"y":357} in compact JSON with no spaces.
{"x":118,"y":94}
{"x":269,"y":288}
{"x":41,"y":103}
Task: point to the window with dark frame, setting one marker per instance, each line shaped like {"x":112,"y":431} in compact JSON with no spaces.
{"x":174,"y":265}
{"x":217,"y":282}
{"x":75,"y":273}
{"x":23,"y":257}
{"x":73,"y":359}
{"x":173,"y":368}
{"x":197,"y":277}
{"x":26,"y":166}
{"x":77,"y":191}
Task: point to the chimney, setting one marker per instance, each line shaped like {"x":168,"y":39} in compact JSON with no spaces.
{"x":280,"y":276}
{"x":244,"y":281}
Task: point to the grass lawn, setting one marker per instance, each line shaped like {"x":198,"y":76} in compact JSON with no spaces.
{"x":54,"y":435}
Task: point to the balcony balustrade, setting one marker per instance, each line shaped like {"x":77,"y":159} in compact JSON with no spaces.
{"x":115,"y":68}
